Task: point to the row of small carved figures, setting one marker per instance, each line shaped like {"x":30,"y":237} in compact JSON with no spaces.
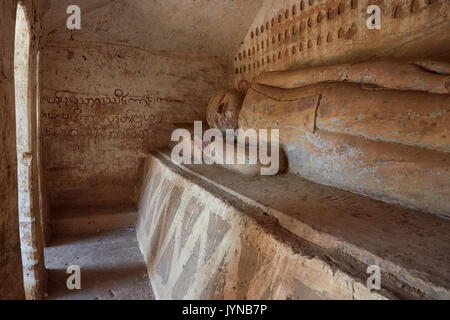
{"x":341,"y":34}
{"x":330,"y":13}
{"x":413,"y":7}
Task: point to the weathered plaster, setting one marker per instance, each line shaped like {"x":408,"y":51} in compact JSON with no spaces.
{"x":32,"y":205}
{"x":102,"y":116}
{"x":289,"y":34}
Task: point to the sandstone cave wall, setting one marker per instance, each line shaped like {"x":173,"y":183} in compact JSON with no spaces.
{"x":290,"y":34}
{"x":11,"y":273}
{"x":104,"y":106}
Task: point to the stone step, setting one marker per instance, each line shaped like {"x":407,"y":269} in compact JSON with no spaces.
{"x":92,"y":219}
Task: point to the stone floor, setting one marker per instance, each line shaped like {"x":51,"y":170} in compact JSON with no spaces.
{"x":112,"y":267}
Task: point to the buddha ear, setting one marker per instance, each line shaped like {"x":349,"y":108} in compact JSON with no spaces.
{"x":244,"y":86}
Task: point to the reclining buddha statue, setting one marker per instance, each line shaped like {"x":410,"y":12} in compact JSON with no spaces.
{"x":379,"y":128}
